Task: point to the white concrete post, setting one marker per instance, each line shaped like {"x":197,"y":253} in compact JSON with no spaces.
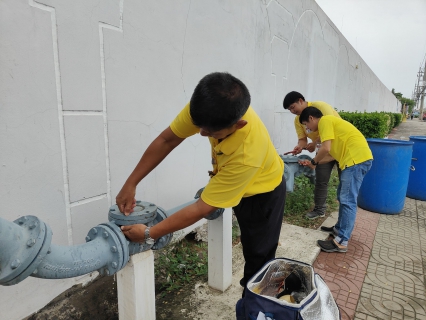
{"x":136,"y":288}
{"x":220,"y":251}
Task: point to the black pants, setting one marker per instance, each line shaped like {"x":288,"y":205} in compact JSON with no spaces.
{"x":260,"y":218}
{"x":322,"y":177}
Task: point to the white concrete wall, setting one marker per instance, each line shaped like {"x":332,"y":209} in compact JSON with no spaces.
{"x":85,"y":85}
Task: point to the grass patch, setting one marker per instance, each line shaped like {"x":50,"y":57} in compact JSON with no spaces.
{"x":180,"y":264}
{"x":301,"y":201}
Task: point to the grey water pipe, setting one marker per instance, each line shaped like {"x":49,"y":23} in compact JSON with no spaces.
{"x":292,"y":169}
{"x":26,"y":249}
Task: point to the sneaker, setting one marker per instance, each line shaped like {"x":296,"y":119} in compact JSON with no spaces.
{"x":330,"y":230}
{"x":315,"y":214}
{"x":331,"y":246}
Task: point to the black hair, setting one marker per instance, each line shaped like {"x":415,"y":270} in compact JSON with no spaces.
{"x":310,"y":111}
{"x":292,"y":97}
{"x":219,"y":101}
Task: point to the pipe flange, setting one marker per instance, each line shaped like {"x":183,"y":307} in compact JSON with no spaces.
{"x":143,"y":212}
{"x":305,"y":169}
{"x":37,"y":237}
{"x":198,"y":194}
{"x":164,"y":240}
{"x":103,"y":233}
{"x":138,"y":247}
{"x":124,"y":243}
{"x":289,"y":158}
{"x":214,"y":215}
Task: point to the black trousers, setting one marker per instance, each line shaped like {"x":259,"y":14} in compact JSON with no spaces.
{"x":260,"y":218}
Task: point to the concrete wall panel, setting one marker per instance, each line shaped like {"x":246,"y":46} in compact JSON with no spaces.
{"x":79,"y":49}
{"x":86,"y":215}
{"x":85,"y":144}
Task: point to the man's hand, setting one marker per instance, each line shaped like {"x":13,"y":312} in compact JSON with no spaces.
{"x":126,"y":199}
{"x":297,"y":150}
{"x":307,"y":163}
{"x":134,"y":232}
{"x":311,"y":146}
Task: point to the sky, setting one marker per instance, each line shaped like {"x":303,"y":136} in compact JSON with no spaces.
{"x":389,"y":35}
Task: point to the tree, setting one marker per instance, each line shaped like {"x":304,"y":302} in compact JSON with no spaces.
{"x":410,"y":103}
{"x":398,"y":95}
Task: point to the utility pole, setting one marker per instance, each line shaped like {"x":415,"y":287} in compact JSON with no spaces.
{"x":419,"y":89}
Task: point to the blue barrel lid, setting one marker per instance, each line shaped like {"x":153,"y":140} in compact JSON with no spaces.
{"x":418,"y":138}
{"x":389,"y":141}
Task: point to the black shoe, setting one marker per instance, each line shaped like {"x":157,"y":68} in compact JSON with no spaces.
{"x":330,"y":230}
{"x":243,"y":282}
{"x":331,"y":246}
{"x":315,"y":214}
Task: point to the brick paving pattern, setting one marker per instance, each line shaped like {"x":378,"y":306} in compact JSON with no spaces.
{"x":344,"y":273}
{"x":394,"y":287}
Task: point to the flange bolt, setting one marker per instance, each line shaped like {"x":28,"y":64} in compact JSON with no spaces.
{"x":31,"y":242}
{"x":15,"y":264}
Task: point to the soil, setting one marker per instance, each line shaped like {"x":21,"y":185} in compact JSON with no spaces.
{"x":97,"y":300}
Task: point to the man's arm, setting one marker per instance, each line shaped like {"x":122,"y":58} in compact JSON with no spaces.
{"x":179,"y":220}
{"x":152,"y":156}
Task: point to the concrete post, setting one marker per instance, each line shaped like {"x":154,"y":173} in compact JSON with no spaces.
{"x":136,"y":288}
{"x":421,"y":107}
{"x":220,"y":251}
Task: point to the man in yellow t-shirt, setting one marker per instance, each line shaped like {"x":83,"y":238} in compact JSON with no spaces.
{"x":347,"y":145}
{"x":295,"y":103}
{"x":247,"y":171}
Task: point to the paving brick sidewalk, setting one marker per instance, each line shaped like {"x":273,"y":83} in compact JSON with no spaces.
{"x":383,"y":274}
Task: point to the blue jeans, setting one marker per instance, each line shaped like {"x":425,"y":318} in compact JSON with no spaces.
{"x":347,"y":194}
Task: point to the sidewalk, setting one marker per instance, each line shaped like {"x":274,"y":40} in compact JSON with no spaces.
{"x":382,"y":276}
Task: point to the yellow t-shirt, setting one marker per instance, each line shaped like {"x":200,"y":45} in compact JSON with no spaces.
{"x":348,"y":145}
{"x":244,"y":164}
{"x":325,"y":108}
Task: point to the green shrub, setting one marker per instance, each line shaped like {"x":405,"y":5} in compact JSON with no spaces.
{"x":373,"y":124}
{"x":398,"y":119}
{"x":391,"y":120}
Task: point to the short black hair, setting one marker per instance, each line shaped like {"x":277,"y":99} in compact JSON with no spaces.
{"x":309,"y":111}
{"x":219,"y":101}
{"x":292,"y":97}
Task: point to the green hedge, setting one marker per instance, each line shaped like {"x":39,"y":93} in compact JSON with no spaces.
{"x":373,"y":124}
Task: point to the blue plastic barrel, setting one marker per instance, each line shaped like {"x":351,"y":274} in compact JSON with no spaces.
{"x":417,"y":180}
{"x":384,"y":187}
